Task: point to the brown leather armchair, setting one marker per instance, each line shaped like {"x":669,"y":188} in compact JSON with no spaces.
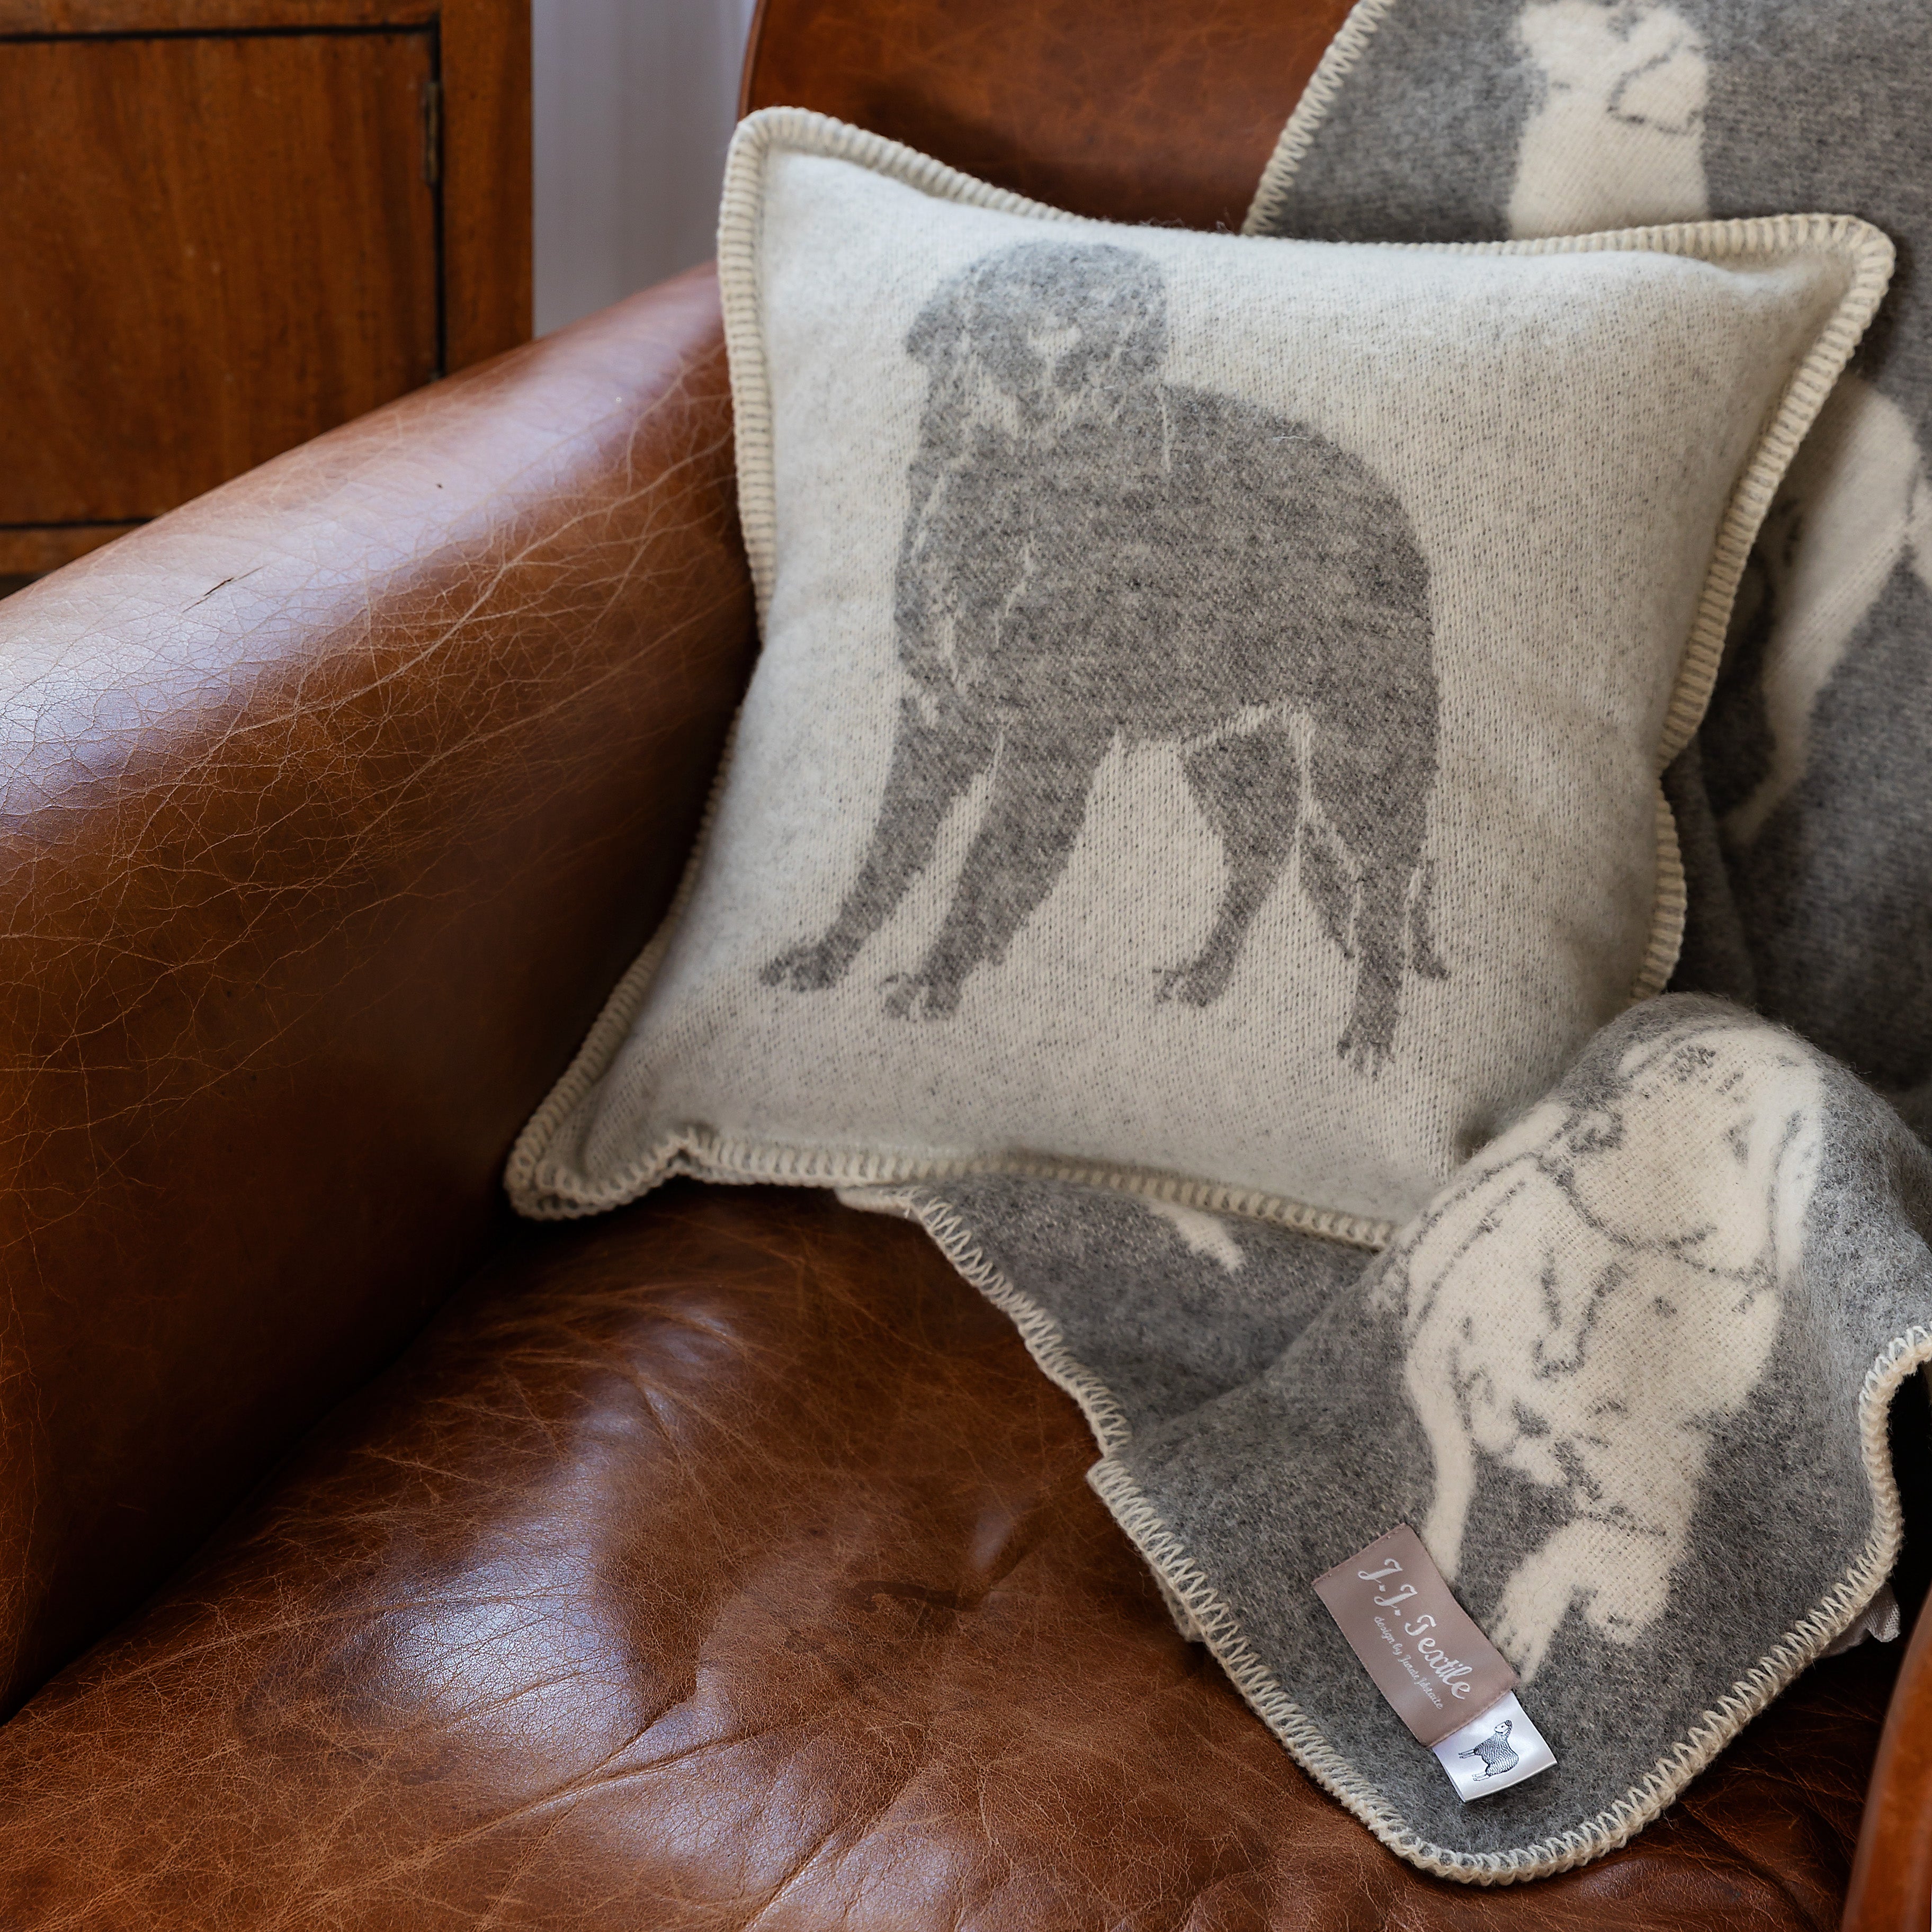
{"x":722,"y":1562}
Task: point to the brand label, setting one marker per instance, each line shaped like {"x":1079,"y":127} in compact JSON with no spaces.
{"x":1442,"y":1676}
{"x":1426,"y":1654}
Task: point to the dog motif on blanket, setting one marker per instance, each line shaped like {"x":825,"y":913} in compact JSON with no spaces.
{"x":1603,"y":1284}
{"x":1614,"y":139}
{"x":1092,"y":555}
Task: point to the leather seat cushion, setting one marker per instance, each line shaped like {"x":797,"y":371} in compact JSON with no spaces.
{"x":727,"y":1561}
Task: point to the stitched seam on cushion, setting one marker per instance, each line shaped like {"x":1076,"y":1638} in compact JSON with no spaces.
{"x":1318,"y":98}
{"x":546,"y":1191}
{"x":525,"y":1174}
{"x":1669,"y":910}
{"x":541,"y":1189}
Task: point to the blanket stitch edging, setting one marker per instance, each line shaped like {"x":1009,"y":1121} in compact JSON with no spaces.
{"x":1318,"y":99}
{"x":1219,"y":1628}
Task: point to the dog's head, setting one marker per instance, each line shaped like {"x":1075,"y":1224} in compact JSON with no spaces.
{"x":1639,"y":61}
{"x":1055,"y":331}
{"x":1703,"y":1142}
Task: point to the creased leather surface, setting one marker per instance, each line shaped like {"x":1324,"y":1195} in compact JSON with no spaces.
{"x":330,"y":806}
{"x":1144,"y":110}
{"x":727,"y":1563}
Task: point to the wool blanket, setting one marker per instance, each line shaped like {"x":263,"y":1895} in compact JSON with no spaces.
{"x":1626,"y":1377}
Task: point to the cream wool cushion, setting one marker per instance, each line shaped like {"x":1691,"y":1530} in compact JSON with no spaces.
{"x":1213,"y":689}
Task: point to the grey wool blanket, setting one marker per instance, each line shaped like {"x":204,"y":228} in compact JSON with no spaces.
{"x":1627,"y":1375}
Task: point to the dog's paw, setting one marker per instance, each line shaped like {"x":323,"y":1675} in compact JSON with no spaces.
{"x":1523,"y":1633}
{"x":808,"y":968}
{"x":1197,"y":983}
{"x":1366,"y":1052}
{"x":918,"y":996}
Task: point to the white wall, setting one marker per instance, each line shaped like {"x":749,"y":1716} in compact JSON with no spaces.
{"x":635,"y":103}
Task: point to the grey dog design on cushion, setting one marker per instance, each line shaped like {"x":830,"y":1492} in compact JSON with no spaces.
{"x":1092,"y":554}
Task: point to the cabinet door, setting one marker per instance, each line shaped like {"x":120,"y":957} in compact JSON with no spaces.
{"x":214,"y":245}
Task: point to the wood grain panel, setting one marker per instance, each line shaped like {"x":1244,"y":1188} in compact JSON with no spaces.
{"x":486,"y":177}
{"x":31,"y":550}
{"x":217,"y":246}
{"x":169,"y":16}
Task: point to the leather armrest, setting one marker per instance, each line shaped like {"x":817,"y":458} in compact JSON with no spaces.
{"x":333,"y":803}
{"x":1891,"y":1876}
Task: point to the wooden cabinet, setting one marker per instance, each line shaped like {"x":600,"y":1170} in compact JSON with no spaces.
{"x":227,"y":225}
